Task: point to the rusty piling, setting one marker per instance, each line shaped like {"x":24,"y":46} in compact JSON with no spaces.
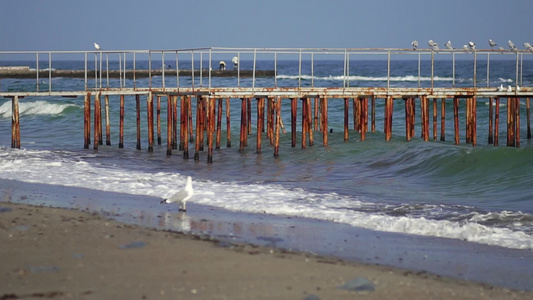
{"x":121,"y":123}
{"x":87,"y":120}
{"x":15,"y":122}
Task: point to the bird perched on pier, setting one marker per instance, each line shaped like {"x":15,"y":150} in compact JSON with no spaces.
{"x":492,"y":44}
{"x":512,"y":47}
{"x":235,"y":61}
{"x":448,"y":45}
{"x":182,"y":195}
{"x":96,"y":46}
{"x":414,"y":44}
{"x":432,"y":45}
{"x":501,"y":88}
{"x":509,"y":89}
{"x":528,"y":46}
{"x":472,"y":45}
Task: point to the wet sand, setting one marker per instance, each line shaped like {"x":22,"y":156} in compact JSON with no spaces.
{"x":62,"y":253}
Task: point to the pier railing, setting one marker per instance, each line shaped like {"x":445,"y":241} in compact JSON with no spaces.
{"x":258,"y":68}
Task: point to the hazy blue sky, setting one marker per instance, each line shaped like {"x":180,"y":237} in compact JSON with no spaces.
{"x":176,"y":24}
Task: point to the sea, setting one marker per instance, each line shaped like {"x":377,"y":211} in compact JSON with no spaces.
{"x":480,"y":194}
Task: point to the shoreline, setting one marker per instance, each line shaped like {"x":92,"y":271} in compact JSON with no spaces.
{"x":344,"y":244}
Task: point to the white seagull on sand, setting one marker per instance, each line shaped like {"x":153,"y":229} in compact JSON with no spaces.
{"x":492,"y":44}
{"x":448,"y":45}
{"x":182,"y":195}
{"x":96,"y":46}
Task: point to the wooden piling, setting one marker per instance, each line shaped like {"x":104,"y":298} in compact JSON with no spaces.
{"x":528,"y":115}
{"x":248,"y":118}
{"x":473,"y":123}
{"x":388,"y":118}
{"x":243,"y":131}
{"x":175,"y":122}
{"x":491,"y":124}
{"x":121,"y":123}
{"x":407,"y":118}
{"x":496,"y":120}
{"x":315,"y":118}
{"x":189,"y":114}
{"x":228,"y":124}
{"x":294,"y":111}
{"x":199,"y":130}
{"x":305,"y":124}
{"x":434,"y":119}
{"x":219,"y":123}
{"x":277,"y":107}
{"x":510,"y":122}
{"x":443,"y":119}
{"x":15,"y":122}
{"x":100,"y":127}
{"x":260,"y":123}
{"x":363,"y":117}
{"x":517,"y":122}
{"x":346,"y":109}
{"x":87,"y":120}
{"x":158,"y":119}
{"x":184,"y":121}
{"x":202,"y":120}
{"x":97,"y":112}
{"x":150,"y":119}
{"x":456,"y":119}
{"x":138,"y":109}
{"x":170,"y":123}
{"x":412,"y":106}
{"x":107,"y":123}
{"x":309,"y":115}
{"x":468,"y":123}
{"x":425,"y":117}
{"x":325,"y":130}
{"x":210,"y":128}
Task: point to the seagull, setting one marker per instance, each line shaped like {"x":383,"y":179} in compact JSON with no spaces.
{"x":433,"y":45}
{"x":414,"y":44}
{"x":528,"y":46}
{"x":465,"y":47}
{"x":182,"y":195}
{"x":501,"y":88}
{"x":96,"y":46}
{"x":449,"y":45}
{"x":492,"y":44}
{"x":517,"y":88}
{"x":509,"y":89}
{"x":472,"y":45}
{"x":511,"y":46}
{"x":501,"y":49}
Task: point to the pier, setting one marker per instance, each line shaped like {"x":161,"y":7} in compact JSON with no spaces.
{"x":171,"y":95}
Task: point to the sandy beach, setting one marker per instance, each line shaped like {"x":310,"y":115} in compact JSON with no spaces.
{"x":61,"y":253}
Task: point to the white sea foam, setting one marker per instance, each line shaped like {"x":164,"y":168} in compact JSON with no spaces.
{"x":68,"y":170}
{"x":408,"y":78}
{"x":34,"y":108}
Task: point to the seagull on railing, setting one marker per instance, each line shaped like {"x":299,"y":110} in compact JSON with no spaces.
{"x":449,"y":45}
{"x":509,"y":89}
{"x":492,"y":44}
{"x":501,"y":49}
{"x":433,"y":45}
{"x":528,"y":46}
{"x":511,"y":46}
{"x":96,"y":46}
{"x":501,"y":88}
{"x":414,"y":44}
{"x":472,"y":45}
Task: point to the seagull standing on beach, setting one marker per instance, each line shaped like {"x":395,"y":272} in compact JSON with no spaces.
{"x":511,"y":46}
{"x":414,"y":44}
{"x":449,"y":45}
{"x":492,"y":44}
{"x":182,"y":195}
{"x":96,"y":46}
{"x":528,"y":46}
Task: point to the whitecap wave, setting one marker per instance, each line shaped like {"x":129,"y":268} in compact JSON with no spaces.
{"x":35,"y":108}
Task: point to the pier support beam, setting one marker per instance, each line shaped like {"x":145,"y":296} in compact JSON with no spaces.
{"x":15,"y":122}
{"x":121,"y":123}
{"x":185,"y":125}
{"x":87,"y":120}
{"x":325,"y":130}
{"x":277,"y":108}
{"x":528,"y":116}
{"x":260,"y":122}
{"x":456,"y":119}
{"x":294,"y":111}
{"x":388,"y":118}
{"x":107,"y":123}
{"x":210,"y":128}
{"x":491,"y":124}
{"x":434,"y":119}
{"x":138,"y":110}
{"x":219,"y":123}
{"x":443,"y":119}
{"x":228,"y":124}
{"x":158,"y":119}
{"x":309,"y":115}
{"x":407,"y":119}
{"x":97,"y":123}
{"x":175,"y":122}
{"x":346,"y":109}
{"x":169,"y":124}
{"x":150,"y":119}
{"x":305,"y":123}
{"x":496,"y":121}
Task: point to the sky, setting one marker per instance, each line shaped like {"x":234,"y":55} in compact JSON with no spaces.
{"x":53,"y":25}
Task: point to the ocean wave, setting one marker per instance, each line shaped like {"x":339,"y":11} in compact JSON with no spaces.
{"x":71,"y":169}
{"x":35,"y":108}
{"x":408,"y":78}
